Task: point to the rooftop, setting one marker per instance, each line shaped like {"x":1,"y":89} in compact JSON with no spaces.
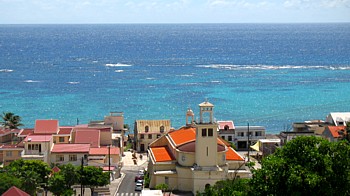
{"x":162,"y":154}
{"x":46,"y":127}
{"x":70,"y":148}
{"x":38,"y":138}
{"x":104,"y":151}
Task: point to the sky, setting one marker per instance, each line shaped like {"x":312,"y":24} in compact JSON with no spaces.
{"x":173,"y":11}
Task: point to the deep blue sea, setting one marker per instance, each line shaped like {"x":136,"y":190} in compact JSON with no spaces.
{"x":266,"y":74}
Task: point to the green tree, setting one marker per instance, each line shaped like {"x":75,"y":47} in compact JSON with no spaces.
{"x":32,"y":173}
{"x":7,"y":181}
{"x":228,"y":187}
{"x":56,"y":184}
{"x":10,"y":120}
{"x":70,"y":174}
{"x":163,"y":187}
{"x":94,"y":177}
{"x":305,"y":166}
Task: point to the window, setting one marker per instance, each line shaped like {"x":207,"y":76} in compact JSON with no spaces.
{"x":73,"y":157}
{"x":59,"y":158}
{"x":149,"y":136}
{"x":161,"y":129}
{"x":204,"y":132}
{"x":210,"y":132}
{"x":19,"y":153}
{"x":9,"y":153}
{"x":183,"y":158}
{"x":226,"y":128}
{"x":146,"y":129}
{"x":61,"y":139}
{"x":230,"y":138}
{"x":158,"y":135}
{"x":240,"y":134}
{"x":223,"y":137}
{"x":142,"y":136}
{"x":33,"y":146}
{"x":258,"y":133}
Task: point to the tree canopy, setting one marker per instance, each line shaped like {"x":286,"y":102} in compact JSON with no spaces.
{"x":305,"y":166}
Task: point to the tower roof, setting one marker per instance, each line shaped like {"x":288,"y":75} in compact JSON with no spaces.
{"x":206,"y":104}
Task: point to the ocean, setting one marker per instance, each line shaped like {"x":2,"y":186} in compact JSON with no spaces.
{"x":263,"y":74}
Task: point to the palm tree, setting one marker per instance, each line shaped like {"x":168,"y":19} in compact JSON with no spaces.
{"x":10,"y":120}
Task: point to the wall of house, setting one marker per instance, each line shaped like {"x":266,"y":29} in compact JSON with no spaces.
{"x":221,"y":158}
{"x":105,"y":138}
{"x":66,"y":158}
{"x":235,"y":165}
{"x":10,"y":155}
{"x":116,"y":121}
{"x":56,"y":139}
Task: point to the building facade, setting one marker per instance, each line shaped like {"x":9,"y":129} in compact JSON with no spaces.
{"x":193,"y":157}
{"x":147,"y":131}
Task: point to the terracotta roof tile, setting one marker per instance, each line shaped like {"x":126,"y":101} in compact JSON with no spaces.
{"x":183,"y":135}
{"x":162,"y":154}
{"x":232,"y":155}
{"x":65,"y":130}
{"x":104,"y":151}
{"x":25,"y":132}
{"x":88,"y":136}
{"x":46,"y":127}
{"x":335,"y":130}
{"x":70,"y":148}
{"x":14,"y":191}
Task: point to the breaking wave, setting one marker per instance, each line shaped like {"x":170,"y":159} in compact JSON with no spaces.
{"x":31,"y":81}
{"x":73,"y":82}
{"x":119,"y":70}
{"x":6,"y":70}
{"x":273,"y":67}
{"x":118,"y":65}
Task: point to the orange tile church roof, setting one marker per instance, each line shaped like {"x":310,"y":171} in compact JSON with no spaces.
{"x":162,"y":154}
{"x":183,"y":135}
{"x":232,"y":155}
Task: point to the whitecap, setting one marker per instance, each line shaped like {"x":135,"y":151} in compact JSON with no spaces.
{"x":31,"y":81}
{"x":186,"y":75}
{"x":118,"y":65}
{"x":272,"y":67}
{"x":119,"y":70}
{"x":150,"y":78}
{"x":215,"y":81}
{"x":73,"y":82}
{"x":6,"y":70}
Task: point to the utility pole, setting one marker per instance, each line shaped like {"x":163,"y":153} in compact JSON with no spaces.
{"x":109,"y":162}
{"x":81,"y":176}
{"x":248,"y":144}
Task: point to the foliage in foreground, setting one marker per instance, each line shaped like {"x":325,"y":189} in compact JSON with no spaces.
{"x":304,"y":166}
{"x":10,"y":121}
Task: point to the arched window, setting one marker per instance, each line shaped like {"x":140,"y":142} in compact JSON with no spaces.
{"x":161,"y":129}
{"x":226,"y":128}
{"x":146,"y":128}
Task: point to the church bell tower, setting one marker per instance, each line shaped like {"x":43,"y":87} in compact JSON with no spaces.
{"x":206,"y":136}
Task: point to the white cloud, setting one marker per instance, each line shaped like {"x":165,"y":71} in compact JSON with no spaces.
{"x":316,"y":4}
{"x":239,"y":3}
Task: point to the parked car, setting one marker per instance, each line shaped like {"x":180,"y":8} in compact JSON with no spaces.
{"x":141,"y":172}
{"x":138,"y":177}
{"x":138,"y":187}
{"x":139,"y":181}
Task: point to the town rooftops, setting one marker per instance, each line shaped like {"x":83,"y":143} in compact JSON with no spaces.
{"x":104,"y":151}
{"x":70,"y":148}
{"x":10,"y":147}
{"x":8,"y":131}
{"x":38,"y":138}
{"x":162,"y":154}
{"x":338,"y":118}
{"x":14,"y":191}
{"x":153,"y":126}
{"x":46,"y":127}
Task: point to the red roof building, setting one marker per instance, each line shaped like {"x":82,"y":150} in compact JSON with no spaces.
{"x":70,"y":148}
{"x":334,"y":133}
{"x":14,"y":191}
{"x":48,"y":127}
{"x":195,"y":155}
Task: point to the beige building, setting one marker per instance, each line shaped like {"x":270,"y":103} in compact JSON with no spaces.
{"x":10,"y":153}
{"x":147,"y":131}
{"x":193,"y":157}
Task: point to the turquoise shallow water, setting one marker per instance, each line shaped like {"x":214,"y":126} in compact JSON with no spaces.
{"x":265,"y":74}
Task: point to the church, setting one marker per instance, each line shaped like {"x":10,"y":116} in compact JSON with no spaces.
{"x":193,"y":157}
